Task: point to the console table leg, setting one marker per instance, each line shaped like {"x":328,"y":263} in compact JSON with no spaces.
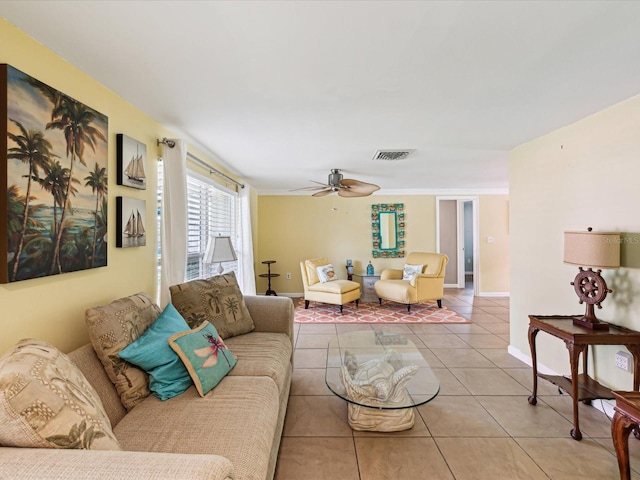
{"x":574,"y":356}
{"x":533,"y":331}
{"x":621,"y":426}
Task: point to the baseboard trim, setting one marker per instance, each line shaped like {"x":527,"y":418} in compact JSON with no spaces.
{"x":495,"y":294}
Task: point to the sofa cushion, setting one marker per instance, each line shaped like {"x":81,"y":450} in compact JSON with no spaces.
{"x":168,"y":376}
{"x":312,"y":269}
{"x":326,"y":273}
{"x":236,"y":420}
{"x":410,"y":271}
{"x":45,"y":402}
{"x":217,"y":300}
{"x":262,"y":354}
{"x":111,"y":328}
{"x":205,"y":356}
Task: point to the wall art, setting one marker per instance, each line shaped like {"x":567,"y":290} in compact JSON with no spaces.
{"x":53,"y":216}
{"x":131,"y":221}
{"x":131,"y":162}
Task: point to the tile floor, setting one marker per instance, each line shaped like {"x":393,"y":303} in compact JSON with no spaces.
{"x":480,"y":426}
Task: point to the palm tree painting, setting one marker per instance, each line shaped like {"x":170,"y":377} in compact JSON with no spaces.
{"x":53,"y":216}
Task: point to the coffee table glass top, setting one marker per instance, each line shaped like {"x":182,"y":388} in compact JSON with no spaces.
{"x":379,"y":370}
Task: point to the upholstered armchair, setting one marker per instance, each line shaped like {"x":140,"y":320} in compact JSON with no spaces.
{"x":426,"y":284}
{"x":326,"y":290}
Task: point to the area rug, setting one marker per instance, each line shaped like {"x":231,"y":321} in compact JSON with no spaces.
{"x":388,"y":312}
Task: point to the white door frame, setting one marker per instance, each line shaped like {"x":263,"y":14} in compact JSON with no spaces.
{"x":460,"y":267}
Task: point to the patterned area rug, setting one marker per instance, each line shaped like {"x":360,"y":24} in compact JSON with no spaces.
{"x":388,"y":312}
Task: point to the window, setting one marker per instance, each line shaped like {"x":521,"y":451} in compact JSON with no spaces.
{"x":211,"y":210}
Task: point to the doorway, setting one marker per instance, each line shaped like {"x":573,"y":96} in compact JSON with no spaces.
{"x":457,"y":237}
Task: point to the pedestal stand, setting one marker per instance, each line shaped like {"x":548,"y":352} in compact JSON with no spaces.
{"x":269,"y":276}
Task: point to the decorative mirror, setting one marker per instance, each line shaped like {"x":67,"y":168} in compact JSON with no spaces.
{"x":387,"y":225}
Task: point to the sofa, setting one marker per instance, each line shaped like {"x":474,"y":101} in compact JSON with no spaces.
{"x":233,"y":432}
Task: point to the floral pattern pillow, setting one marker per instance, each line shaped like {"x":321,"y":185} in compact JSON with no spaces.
{"x":326,"y":273}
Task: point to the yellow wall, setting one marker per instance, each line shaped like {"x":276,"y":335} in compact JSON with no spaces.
{"x":293,"y":228}
{"x":583,"y":175}
{"x":53,"y":308}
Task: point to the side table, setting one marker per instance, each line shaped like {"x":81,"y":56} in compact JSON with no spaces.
{"x":269,"y":276}
{"x":581,"y":387}
{"x":625,"y":419}
{"x":366,"y":287}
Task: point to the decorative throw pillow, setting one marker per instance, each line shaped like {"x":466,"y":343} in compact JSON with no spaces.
{"x":111,"y":328}
{"x":312,"y":269}
{"x":326,"y":273}
{"x":410,"y":271}
{"x":151,"y":351}
{"x":207,"y":358}
{"x":46,"y":402}
{"x":217,"y":300}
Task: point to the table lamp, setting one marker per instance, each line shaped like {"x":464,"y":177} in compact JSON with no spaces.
{"x":219,"y":249}
{"x":592,"y":250}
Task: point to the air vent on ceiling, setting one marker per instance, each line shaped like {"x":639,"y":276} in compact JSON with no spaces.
{"x":390,"y":155}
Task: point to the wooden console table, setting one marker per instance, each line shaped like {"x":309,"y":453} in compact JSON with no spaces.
{"x":625,"y":419}
{"x":581,"y":387}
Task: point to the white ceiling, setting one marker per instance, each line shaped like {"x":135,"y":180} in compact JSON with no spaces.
{"x":281,"y":92}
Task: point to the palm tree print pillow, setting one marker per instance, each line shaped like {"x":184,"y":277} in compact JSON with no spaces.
{"x":216,"y":300}
{"x":46,"y":402}
{"x":205,"y":356}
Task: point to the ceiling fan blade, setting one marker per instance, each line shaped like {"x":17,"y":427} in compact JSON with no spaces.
{"x":347,"y":192}
{"x":307,"y":188}
{"x":322,"y":193}
{"x":361,"y":187}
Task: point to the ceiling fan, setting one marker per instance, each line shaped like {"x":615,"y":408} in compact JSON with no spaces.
{"x":346,"y":187}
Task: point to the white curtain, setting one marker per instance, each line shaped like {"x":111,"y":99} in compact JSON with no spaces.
{"x":174,"y":219}
{"x":246,"y":273}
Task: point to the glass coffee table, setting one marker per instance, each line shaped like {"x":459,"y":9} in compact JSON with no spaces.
{"x":383,"y":376}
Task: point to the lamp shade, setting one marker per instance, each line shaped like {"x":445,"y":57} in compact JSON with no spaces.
{"x":219,"y":249}
{"x":592,"y":249}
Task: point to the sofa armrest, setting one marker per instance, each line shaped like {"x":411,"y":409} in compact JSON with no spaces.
{"x":391,"y":274}
{"x":48,"y":463}
{"x":271,"y":314}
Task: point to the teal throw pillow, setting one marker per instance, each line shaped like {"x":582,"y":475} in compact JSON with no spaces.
{"x":205,"y":355}
{"x":151,"y":352}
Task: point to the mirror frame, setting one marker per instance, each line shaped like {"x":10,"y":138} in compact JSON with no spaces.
{"x":398,"y":209}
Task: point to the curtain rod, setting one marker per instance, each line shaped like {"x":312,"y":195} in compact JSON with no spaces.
{"x":171,"y":144}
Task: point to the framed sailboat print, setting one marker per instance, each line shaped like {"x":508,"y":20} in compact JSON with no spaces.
{"x":131,"y":222}
{"x":132,"y":158}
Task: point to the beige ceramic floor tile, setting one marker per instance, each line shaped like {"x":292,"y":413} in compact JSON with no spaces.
{"x":483,"y":341}
{"x":501,"y":358}
{"x":593,"y":422}
{"x":634,"y":452}
{"x":449,"y":384}
{"x":482,"y":317}
{"x":324,"y":329}
{"x":488,"y":459}
{"x":353,"y":327}
{"x":310,"y":358}
{"x":498,"y":327}
{"x":566,"y":459}
{"x":425,"y":328}
{"x":461,"y":416}
{"x":430,"y":357}
{"x":437,"y":340}
{"x":524,"y":376}
{"x":316,"y":416}
{"x":496,"y":310}
{"x":488,"y":381}
{"x":520,"y":419}
{"x":400,"y":458}
{"x":309,"y":381}
{"x":314,"y":341}
{"x":462,"y":357}
{"x":317,"y":459}
{"x":465,"y":328}
{"x":381,"y":327}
